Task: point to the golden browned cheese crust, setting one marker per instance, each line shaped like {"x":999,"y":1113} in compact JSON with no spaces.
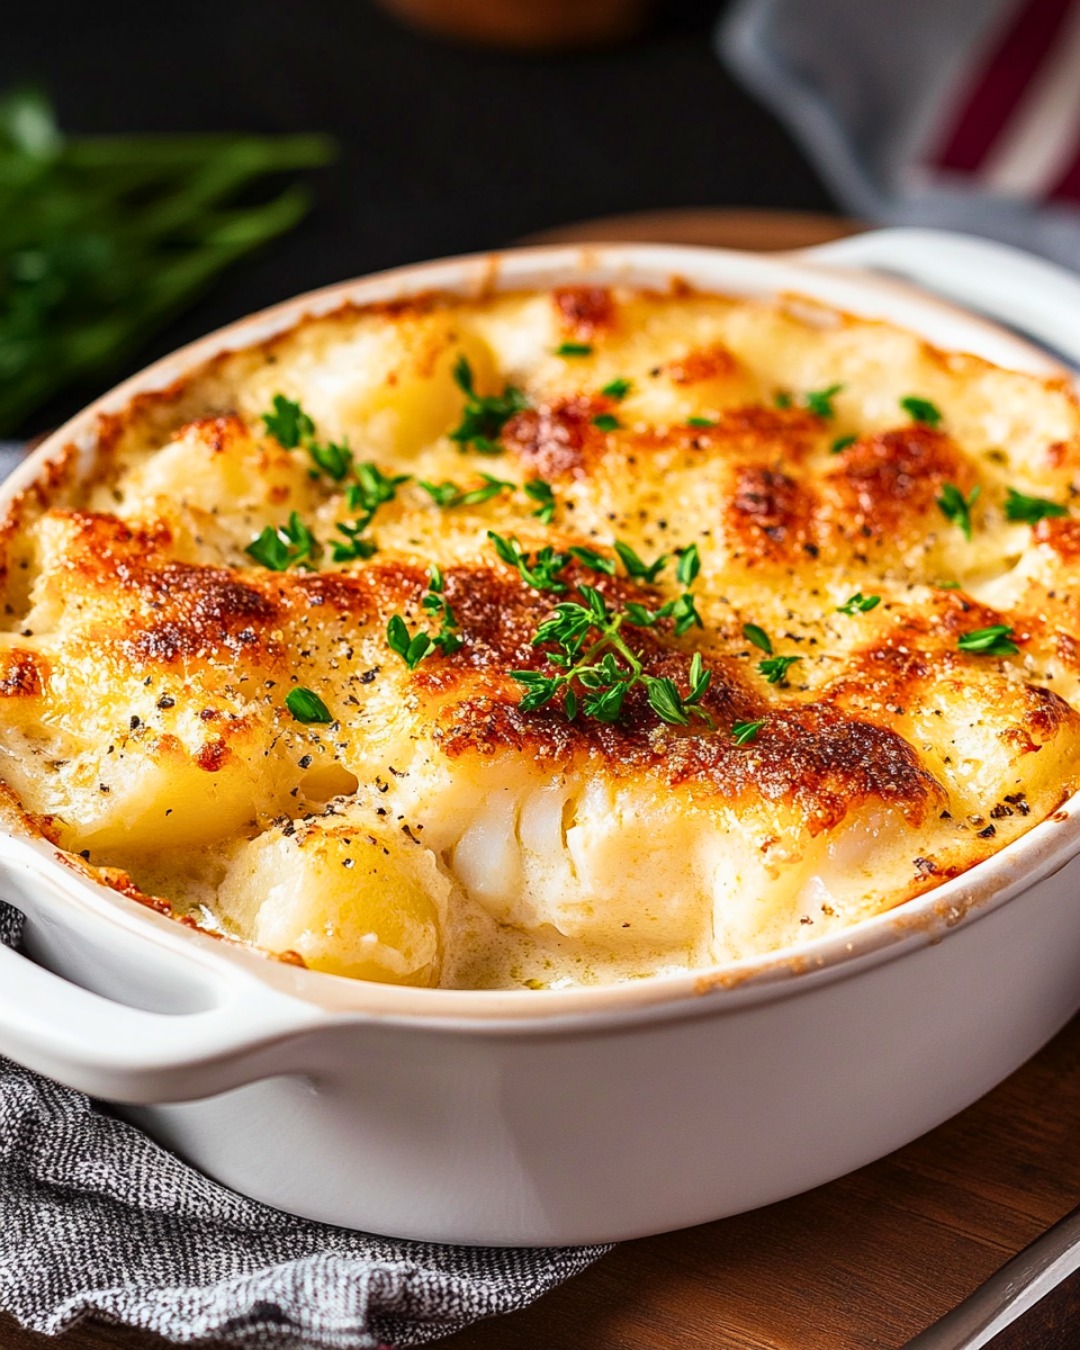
{"x":432,"y":829}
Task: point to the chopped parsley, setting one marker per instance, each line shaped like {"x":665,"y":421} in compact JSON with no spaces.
{"x":922,"y":410}
{"x":820,"y":401}
{"x":413,"y":647}
{"x":280,"y":547}
{"x":574,"y":349}
{"x":956,"y":507}
{"x":484,"y":416}
{"x":606,"y":422}
{"x":859,"y":604}
{"x":743,"y":733}
{"x":782,"y":399}
{"x":1030,"y":510}
{"x":775,"y":669}
{"x":596,"y":668}
{"x":616,"y":389}
{"x":307,"y":706}
{"x":841,"y":443}
{"x":701,"y":422}
{"x":993,"y":641}
{"x":758,"y":636}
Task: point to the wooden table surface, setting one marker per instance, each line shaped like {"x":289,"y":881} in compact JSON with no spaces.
{"x":861,"y":1264}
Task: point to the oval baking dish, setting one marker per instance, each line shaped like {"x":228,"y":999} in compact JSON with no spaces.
{"x":584,"y":1114}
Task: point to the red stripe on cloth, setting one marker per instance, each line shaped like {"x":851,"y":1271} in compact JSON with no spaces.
{"x":997,"y":88}
{"x":1067,"y":188}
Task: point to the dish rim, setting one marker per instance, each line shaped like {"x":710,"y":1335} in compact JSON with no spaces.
{"x":983,"y":888}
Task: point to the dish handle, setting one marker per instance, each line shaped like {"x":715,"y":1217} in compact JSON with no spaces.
{"x":1035,"y":298}
{"x":128,"y":1054}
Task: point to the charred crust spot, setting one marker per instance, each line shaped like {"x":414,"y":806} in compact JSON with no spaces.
{"x":557,"y":440}
{"x":812,"y":757}
{"x":216,"y":433}
{"x":22,"y":674}
{"x":213,"y":756}
{"x":1062,"y":534}
{"x":711,"y":362}
{"x":769,"y":514}
{"x":884,"y":480}
{"x":584,"y":312}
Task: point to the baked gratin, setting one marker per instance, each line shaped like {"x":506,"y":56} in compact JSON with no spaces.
{"x":550,"y":638}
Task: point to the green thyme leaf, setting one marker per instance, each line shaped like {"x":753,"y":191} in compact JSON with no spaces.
{"x":541,"y":572}
{"x":288,"y":423}
{"x":333,"y":460}
{"x":701,"y":422}
{"x":1030,"y":510}
{"x":307,"y":706}
{"x":993,"y":641}
{"x":782,"y":399}
{"x":574,"y":349}
{"x":636,"y":567}
{"x":954,"y":506}
{"x":606,"y":422}
{"x":280,"y":547}
{"x":413,"y":647}
{"x":859,"y":604}
{"x":483,"y":417}
{"x":539,"y":491}
{"x":442,"y":494}
{"x":841,"y":443}
{"x":922,"y":410}
{"x":819,"y":401}
{"x":597,"y":561}
{"x":689,"y":565}
{"x":744,"y":733}
{"x":758,"y":636}
{"x":616,"y":389}
{"x":775,"y":669}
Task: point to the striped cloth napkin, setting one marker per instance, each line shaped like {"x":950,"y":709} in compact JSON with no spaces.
{"x":962,"y":114}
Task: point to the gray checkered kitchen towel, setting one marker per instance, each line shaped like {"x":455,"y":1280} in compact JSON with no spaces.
{"x":98,"y":1220}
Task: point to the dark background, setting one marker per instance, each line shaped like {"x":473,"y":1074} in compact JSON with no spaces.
{"x":443,"y":149}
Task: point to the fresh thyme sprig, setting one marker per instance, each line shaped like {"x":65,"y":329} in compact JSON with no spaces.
{"x":413,"y":647}
{"x":280,"y":547}
{"x":775,"y":668}
{"x":293,"y":429}
{"x":484,"y":416}
{"x":954,"y":506}
{"x":543,"y":572}
{"x":448,"y":494}
{"x":592,"y":653}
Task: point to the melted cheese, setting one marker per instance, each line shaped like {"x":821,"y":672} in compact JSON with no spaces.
{"x":434,"y":832}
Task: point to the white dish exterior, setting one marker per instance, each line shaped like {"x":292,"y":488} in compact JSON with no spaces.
{"x":581,"y":1115}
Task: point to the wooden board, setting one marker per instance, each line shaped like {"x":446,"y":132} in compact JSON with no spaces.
{"x":861,"y":1264}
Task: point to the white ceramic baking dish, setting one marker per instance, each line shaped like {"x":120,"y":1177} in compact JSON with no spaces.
{"x":578,"y":1115}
